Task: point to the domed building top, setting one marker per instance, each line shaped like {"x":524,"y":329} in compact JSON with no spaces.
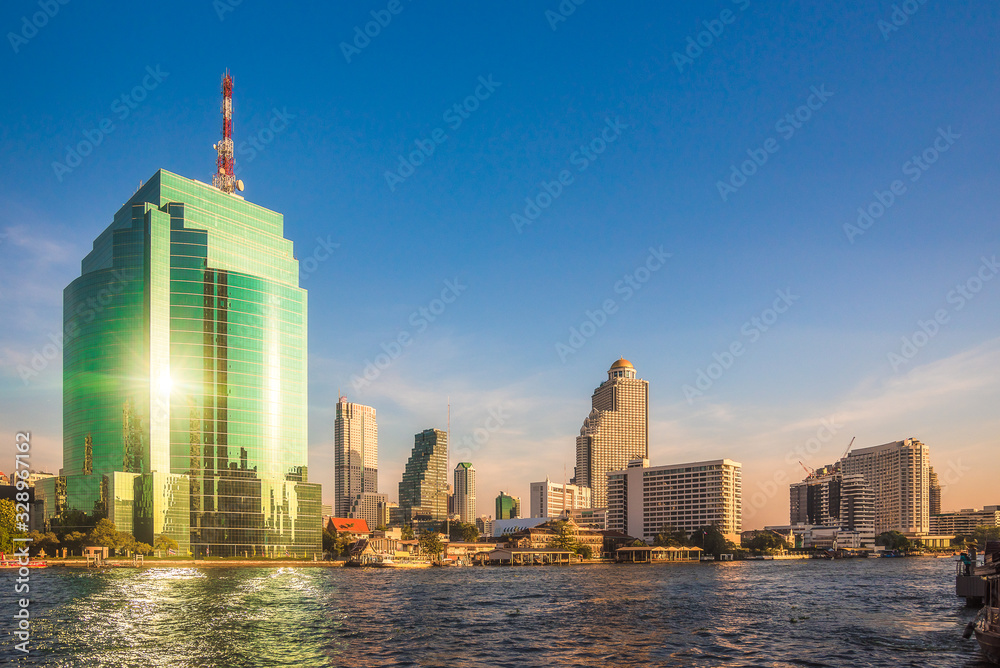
{"x":621,"y":369}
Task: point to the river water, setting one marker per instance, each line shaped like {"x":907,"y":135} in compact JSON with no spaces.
{"x":865,"y":612}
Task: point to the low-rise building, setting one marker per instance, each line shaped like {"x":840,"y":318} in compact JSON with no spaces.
{"x":964,"y":522}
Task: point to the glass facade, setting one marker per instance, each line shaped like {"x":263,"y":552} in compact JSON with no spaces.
{"x":185,"y":367}
{"x":423,"y":492}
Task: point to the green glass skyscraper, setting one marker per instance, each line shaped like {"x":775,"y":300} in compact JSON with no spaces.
{"x":184,"y":379}
{"x":423,"y":492}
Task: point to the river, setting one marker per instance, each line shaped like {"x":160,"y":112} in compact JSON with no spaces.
{"x":865,"y":612}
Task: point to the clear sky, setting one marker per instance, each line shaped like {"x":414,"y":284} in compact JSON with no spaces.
{"x":666,"y":171}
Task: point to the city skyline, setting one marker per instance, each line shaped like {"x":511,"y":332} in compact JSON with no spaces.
{"x":775,"y":317}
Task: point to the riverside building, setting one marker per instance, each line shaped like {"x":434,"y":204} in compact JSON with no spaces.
{"x":615,"y":432}
{"x":355,"y":455}
{"x":423,"y":491}
{"x":184,"y":377}
{"x":550,"y":499}
{"x":642,"y":500}
{"x":899,"y":475}
{"x":964,"y":522}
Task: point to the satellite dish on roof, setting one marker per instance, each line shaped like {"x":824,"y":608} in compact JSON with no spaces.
{"x":239,"y":185}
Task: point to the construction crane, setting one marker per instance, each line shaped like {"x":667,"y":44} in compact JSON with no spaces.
{"x":848,"y":447}
{"x":809,"y":470}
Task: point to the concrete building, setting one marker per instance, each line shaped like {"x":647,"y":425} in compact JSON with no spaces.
{"x":828,"y":498}
{"x":591,"y":518}
{"x":964,"y":522}
{"x":507,"y":507}
{"x":485,"y":525}
{"x":934,"y":493}
{"x":370,"y":507}
{"x":465,"y":492}
{"x":423,"y":492}
{"x":642,"y":500}
{"x":899,"y":474}
{"x":190,"y":380}
{"x":615,"y":432}
{"x":550,"y":499}
{"x":355,"y":455}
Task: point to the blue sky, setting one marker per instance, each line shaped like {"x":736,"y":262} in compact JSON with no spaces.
{"x":668,"y":100}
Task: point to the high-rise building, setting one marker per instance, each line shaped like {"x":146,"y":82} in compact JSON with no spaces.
{"x":371,"y":507}
{"x":643,"y":500}
{"x":615,"y":432}
{"x":550,"y":499}
{"x":465,"y":492}
{"x":934,"y":494}
{"x":184,"y":376}
{"x":423,"y":492}
{"x":828,"y":498}
{"x":507,"y":507}
{"x":899,"y":474}
{"x":355,"y":455}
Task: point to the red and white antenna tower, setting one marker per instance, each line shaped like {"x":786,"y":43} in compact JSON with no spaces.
{"x":225,"y":175}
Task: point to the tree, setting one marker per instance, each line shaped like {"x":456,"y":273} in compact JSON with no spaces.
{"x":562,"y":537}
{"x":584,"y":551}
{"x":984,"y":533}
{"x":8,"y":519}
{"x":767,"y":542}
{"x":430,"y":543}
{"x":711,"y":540}
{"x":464,"y":531}
{"x":126,"y":543}
{"x":48,"y":542}
{"x":165,"y":542}
{"x":893,"y":540}
{"x":670,"y":537}
{"x":74,"y":540}
{"x":407,"y":532}
{"x":381,"y":527}
{"x":104,"y":534}
{"x":330,"y":541}
{"x":143,"y":548}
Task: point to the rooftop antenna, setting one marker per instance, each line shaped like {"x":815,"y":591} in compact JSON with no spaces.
{"x":225,"y":175}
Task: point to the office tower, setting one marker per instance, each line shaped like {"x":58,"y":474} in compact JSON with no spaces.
{"x":816,"y":500}
{"x":355,"y":455}
{"x":615,"y":432}
{"x":507,"y":507}
{"x":423,"y":492}
{"x":465,"y":492}
{"x":934,"y":492}
{"x":642,"y":500}
{"x":550,"y":499}
{"x":899,"y":474}
{"x":371,"y":507}
{"x":184,"y":376}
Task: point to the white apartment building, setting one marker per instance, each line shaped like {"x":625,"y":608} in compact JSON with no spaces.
{"x":550,"y":499}
{"x":465,"y":492}
{"x":899,"y":475}
{"x":642,"y":500}
{"x":355,"y":461}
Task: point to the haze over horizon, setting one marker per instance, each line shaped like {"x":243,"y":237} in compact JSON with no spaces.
{"x":783,"y":216}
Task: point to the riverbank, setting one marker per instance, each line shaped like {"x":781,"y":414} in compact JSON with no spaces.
{"x":195,"y":563}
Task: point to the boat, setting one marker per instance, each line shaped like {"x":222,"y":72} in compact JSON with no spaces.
{"x":14,"y":563}
{"x":987,"y":624}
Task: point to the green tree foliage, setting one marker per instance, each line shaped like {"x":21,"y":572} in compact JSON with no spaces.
{"x":48,"y":542}
{"x":712,"y":541}
{"x":104,"y":534}
{"x":670,"y":537}
{"x":768,"y":542}
{"x":74,"y":541}
{"x":330,"y":541}
{"x":143,"y":548}
{"x":463,"y":531}
{"x":430,"y":543}
{"x":407,"y":532}
{"x":8,"y":517}
{"x":584,"y":551}
{"x":165,"y":542}
{"x":893,"y":540}
{"x":562,"y":537}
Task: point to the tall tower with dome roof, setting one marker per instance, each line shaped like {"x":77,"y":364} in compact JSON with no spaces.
{"x":616,"y":430}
